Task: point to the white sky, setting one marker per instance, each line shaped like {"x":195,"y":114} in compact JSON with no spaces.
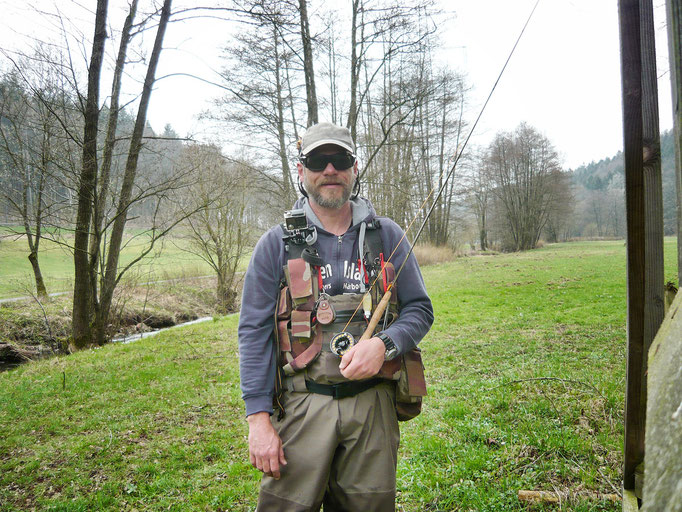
{"x":564,"y":78}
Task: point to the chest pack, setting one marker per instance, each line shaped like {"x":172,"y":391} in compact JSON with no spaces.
{"x":311,"y":325}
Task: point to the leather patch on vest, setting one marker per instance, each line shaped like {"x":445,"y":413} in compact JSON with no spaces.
{"x":325,"y":311}
{"x":300,"y":279}
{"x":284,"y":304}
{"x":389,"y":369}
{"x":306,"y":357}
{"x":309,"y":355}
{"x":284,"y":341}
{"x":415,"y":373}
{"x":300,"y":324}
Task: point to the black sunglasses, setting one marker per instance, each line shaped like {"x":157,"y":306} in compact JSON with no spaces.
{"x":317,"y":162}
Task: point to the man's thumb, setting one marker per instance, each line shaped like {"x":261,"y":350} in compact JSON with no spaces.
{"x":347,"y":358}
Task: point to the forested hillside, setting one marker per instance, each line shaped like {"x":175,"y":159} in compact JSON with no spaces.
{"x":600,"y":194}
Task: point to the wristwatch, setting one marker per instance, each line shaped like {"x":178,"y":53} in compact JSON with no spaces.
{"x":391,"y":349}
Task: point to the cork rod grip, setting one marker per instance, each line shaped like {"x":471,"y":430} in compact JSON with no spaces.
{"x":378,"y":313}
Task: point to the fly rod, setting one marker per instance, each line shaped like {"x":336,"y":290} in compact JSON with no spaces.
{"x":383,"y":304}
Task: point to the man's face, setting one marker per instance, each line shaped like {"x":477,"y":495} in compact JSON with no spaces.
{"x":329,"y":188}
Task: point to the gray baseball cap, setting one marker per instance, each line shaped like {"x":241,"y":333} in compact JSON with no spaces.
{"x":326,"y":133}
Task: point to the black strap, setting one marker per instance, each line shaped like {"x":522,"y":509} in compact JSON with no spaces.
{"x":373,"y":242}
{"x":310,"y":255}
{"x":342,"y":389}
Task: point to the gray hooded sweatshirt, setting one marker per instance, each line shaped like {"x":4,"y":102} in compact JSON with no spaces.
{"x":339,"y":275}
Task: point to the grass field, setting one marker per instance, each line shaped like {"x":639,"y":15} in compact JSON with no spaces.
{"x":526,"y":373}
{"x":168,"y":260}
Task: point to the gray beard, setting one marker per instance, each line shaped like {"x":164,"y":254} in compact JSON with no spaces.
{"x":332,"y":203}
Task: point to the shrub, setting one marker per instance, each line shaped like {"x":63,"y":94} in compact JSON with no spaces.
{"x":428,"y":254}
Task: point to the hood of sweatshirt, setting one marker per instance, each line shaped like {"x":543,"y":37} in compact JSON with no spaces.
{"x":361,"y":208}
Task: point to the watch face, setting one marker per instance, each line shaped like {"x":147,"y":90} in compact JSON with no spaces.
{"x":391,"y":353}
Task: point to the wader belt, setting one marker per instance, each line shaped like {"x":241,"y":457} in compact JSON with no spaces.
{"x":342,"y":389}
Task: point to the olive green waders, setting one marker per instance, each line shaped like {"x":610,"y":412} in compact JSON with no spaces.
{"x":341,"y":453}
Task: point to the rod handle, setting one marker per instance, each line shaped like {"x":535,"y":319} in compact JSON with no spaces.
{"x":378,"y":313}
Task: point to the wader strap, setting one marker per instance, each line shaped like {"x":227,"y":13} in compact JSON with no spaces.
{"x":279,"y":387}
{"x":295,"y":383}
{"x":307,"y":356}
{"x":342,"y":389}
{"x":361,"y":249}
{"x":386,"y":272}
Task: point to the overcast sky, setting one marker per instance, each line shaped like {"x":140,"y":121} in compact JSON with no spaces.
{"x":564,"y":78}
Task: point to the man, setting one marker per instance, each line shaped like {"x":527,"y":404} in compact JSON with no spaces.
{"x":336,"y":442}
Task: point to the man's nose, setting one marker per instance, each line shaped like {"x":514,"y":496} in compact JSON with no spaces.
{"x":329,"y":169}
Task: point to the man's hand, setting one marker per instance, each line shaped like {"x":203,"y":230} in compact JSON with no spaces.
{"x":265,"y":446}
{"x":363,"y":360}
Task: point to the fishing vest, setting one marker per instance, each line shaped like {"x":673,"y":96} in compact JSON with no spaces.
{"x":307,"y":320}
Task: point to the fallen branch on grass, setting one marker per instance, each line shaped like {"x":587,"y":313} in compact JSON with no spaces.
{"x":560,"y":496}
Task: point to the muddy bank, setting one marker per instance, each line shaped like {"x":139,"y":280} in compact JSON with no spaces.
{"x":12,"y":355}
{"x":31,"y":331}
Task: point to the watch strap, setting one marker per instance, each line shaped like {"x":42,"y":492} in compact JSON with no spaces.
{"x":391,"y":349}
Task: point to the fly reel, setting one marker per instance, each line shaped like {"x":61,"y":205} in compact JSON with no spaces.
{"x":341,"y":343}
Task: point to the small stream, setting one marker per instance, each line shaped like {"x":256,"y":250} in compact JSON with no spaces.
{"x":138,"y":336}
{"x":5,"y":366}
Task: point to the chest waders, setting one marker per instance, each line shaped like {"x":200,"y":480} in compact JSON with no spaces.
{"x":306,"y":345}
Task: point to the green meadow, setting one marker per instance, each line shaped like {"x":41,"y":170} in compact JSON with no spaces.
{"x":526,"y":372}
{"x":169,"y":259}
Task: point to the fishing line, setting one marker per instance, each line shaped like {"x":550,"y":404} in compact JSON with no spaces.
{"x":448,"y":176}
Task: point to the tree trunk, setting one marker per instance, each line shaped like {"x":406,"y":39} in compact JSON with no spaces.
{"x":111,"y":275}
{"x":354,"y":73}
{"x":82,"y":297}
{"x":40,"y":283}
{"x":484,"y":232}
{"x":308,"y":69}
{"x":101,"y":197}
{"x":288,"y":195}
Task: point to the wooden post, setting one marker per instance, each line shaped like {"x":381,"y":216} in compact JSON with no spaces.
{"x":674,"y":10}
{"x":654,"y":300}
{"x":644,"y":203}
{"x":654,"y":310}
{"x":631,"y":78}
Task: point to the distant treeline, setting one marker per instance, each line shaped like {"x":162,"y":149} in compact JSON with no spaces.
{"x":600,"y":194}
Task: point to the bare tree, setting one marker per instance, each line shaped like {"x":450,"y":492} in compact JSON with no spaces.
{"x":260,"y":83}
{"x":479,"y":197}
{"x":30,"y":145}
{"x":560,"y":211}
{"x":380,"y":30}
{"x":524,"y":169}
{"x":91,"y":309}
{"x":215,"y":208}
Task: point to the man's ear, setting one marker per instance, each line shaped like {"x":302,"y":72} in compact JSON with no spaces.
{"x":299,"y":167}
